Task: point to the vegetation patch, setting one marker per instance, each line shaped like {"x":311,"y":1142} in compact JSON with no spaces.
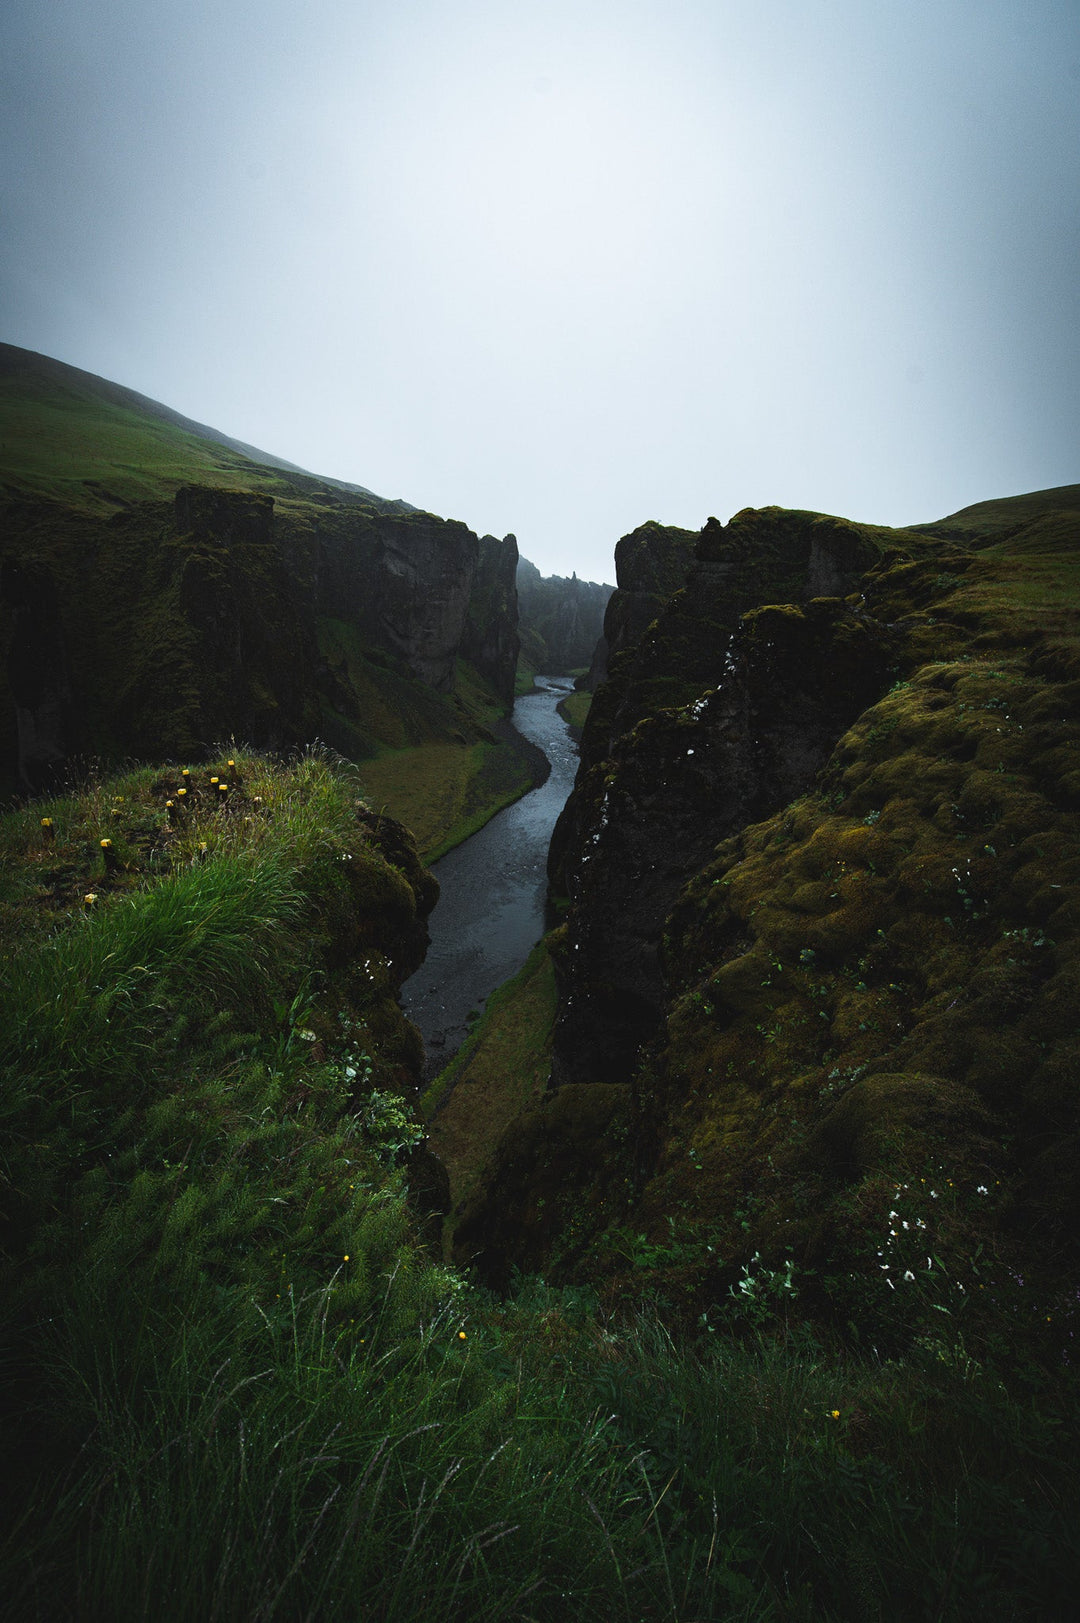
{"x":574,"y":709}
{"x":500,"y":1071}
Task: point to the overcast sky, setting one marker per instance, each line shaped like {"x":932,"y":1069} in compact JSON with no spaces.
{"x":558,"y":268}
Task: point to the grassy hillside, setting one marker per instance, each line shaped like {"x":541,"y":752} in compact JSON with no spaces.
{"x":1006,"y":515}
{"x":94,"y":445}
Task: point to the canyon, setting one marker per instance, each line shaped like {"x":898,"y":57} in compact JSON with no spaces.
{"x":815,"y":882}
{"x":742,"y":1224}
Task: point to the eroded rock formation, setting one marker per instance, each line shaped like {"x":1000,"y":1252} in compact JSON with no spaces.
{"x":561,"y":620}
{"x":171,"y":625}
{"x":490,"y":640}
{"x":824,"y":926}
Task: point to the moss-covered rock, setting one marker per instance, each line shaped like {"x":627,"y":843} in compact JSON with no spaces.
{"x":824,"y":931}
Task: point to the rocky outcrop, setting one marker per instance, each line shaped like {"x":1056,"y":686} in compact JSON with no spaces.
{"x":651,"y":564}
{"x":561,"y":620}
{"x":824,"y":927}
{"x":171,"y":625}
{"x":37,"y":670}
{"x":652,"y":812}
{"x":670,"y":623}
{"x":165,"y":587}
{"x":426,"y":570}
{"x":490,"y":640}
{"x":666,"y":647}
{"x":404,"y":581}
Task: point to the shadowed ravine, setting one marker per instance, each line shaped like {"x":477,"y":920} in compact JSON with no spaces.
{"x":490,"y":912}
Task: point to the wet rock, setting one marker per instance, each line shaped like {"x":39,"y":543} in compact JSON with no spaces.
{"x":490,"y":640}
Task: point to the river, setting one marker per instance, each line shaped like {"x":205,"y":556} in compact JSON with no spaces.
{"x":493,"y":888}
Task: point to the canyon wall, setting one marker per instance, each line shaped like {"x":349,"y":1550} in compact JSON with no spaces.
{"x":164,"y":587}
{"x":823,"y":871}
{"x":490,"y":640}
{"x":562,"y":619}
{"x":171,"y":625}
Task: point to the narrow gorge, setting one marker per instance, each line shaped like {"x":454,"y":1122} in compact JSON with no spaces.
{"x":612,"y":1051}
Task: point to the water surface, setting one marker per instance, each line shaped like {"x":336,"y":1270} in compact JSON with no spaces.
{"x":490,"y":912}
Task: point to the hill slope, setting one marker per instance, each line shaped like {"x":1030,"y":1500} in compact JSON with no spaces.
{"x":70,"y":434}
{"x":165,"y":588}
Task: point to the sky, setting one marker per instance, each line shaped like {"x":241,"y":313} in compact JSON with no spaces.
{"x":561,"y":268}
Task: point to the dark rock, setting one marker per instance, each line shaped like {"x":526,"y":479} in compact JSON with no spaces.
{"x":38,"y":675}
{"x":167,"y":627}
{"x":790,"y":682}
{"x":561,"y":620}
{"x":824,"y":941}
{"x":490,"y":640}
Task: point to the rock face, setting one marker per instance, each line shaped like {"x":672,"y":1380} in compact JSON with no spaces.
{"x":651,"y":564}
{"x":561,"y":620}
{"x":490,"y":640}
{"x":45,"y":722}
{"x":824,"y":926}
{"x":789,"y":681}
{"x":164,"y":587}
{"x":171,"y":625}
{"x":671,"y":622}
{"x":404,"y":580}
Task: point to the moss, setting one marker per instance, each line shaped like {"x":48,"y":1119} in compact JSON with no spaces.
{"x":881,"y":975}
{"x":573,"y":1188}
{"x":899,"y":1121}
{"x":575,"y":710}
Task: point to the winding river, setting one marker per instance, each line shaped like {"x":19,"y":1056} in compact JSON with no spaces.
{"x":493,"y":887}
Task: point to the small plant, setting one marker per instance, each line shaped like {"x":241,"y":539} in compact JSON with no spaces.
{"x":386,"y":1122}
{"x":761,"y":1295}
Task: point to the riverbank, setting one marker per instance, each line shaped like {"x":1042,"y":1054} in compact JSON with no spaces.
{"x":444,"y":792}
{"x":493,"y":892}
{"x":500,"y":1071}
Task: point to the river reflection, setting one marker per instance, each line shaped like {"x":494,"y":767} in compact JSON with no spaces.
{"x":490,"y":911}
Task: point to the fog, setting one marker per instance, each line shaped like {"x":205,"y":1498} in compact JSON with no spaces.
{"x":560,"y":269}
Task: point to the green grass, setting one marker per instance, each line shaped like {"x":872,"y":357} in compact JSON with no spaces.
{"x":575,"y":708}
{"x":429,"y":759}
{"x":94,"y":445}
{"x":241,"y":1388}
{"x":501,"y":1070}
{"x":1003,"y":515}
{"x":79,"y":450}
{"x":427,"y":789}
{"x":522,"y":1460}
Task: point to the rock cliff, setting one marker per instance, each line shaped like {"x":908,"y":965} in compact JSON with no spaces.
{"x":490,"y":640}
{"x":824,"y":926}
{"x":561,"y":620}
{"x":150,"y":616}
